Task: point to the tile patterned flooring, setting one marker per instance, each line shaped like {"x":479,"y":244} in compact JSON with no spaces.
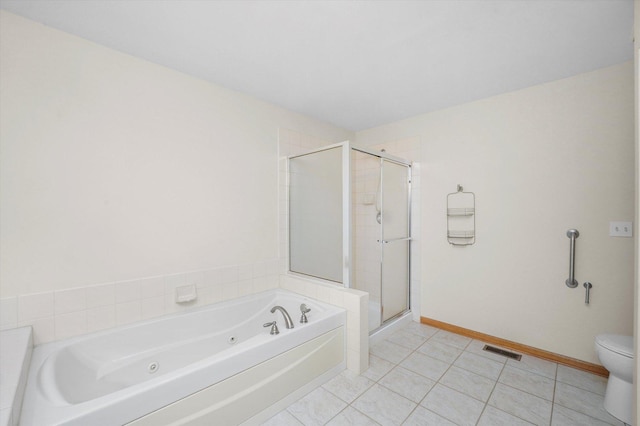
{"x":426,"y":376}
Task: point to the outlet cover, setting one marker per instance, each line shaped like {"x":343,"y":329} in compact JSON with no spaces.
{"x":620,"y":229}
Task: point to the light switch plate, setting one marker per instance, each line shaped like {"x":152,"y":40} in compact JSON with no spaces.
{"x":620,"y":229}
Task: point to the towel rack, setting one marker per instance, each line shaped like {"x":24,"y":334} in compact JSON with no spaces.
{"x":461,"y":218}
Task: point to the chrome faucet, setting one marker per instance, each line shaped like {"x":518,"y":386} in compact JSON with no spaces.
{"x":285,"y":314}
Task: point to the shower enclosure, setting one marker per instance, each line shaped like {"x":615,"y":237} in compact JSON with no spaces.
{"x":349,"y":223}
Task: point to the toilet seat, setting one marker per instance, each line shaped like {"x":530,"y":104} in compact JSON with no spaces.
{"x":622,"y":345}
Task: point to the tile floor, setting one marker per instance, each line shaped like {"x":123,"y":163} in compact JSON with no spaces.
{"x":426,"y":376}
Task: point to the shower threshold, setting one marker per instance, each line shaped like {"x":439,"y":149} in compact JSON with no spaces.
{"x":391,"y":326}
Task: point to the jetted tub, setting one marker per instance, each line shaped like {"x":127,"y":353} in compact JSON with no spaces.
{"x":213,"y":365}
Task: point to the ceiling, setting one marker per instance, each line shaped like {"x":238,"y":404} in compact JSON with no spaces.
{"x":357,"y":64}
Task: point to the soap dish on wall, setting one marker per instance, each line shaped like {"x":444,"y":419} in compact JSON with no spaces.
{"x":186,"y":293}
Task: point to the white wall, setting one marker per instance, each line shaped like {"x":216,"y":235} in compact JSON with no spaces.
{"x":540,"y":161}
{"x":115,"y":168}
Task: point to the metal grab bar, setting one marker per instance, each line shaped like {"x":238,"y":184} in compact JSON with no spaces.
{"x":392,"y":240}
{"x":571,"y":281}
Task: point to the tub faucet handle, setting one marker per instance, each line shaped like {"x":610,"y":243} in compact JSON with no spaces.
{"x":274,"y":327}
{"x":304,"y":310}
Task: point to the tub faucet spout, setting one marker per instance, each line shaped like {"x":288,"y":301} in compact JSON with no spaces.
{"x":285,"y":314}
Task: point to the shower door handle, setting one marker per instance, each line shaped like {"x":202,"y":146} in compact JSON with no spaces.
{"x":393,"y":240}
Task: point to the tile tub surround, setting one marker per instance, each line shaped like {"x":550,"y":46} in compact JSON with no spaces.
{"x":72,"y":312}
{"x":426,"y":376}
{"x":16,"y":346}
{"x":356,"y":303}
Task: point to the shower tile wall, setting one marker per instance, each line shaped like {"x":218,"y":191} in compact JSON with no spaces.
{"x":365,"y":205}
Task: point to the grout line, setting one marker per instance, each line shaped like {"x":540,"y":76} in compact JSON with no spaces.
{"x":441,"y":376}
{"x":395,"y":365}
{"x":553,"y":396}
{"x":491,"y":393}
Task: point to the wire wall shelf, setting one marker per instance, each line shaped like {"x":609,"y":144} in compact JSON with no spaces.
{"x":461,"y":218}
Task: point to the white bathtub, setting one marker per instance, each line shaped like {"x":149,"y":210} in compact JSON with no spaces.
{"x":124,"y":374}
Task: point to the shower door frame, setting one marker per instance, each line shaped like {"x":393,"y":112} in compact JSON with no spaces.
{"x":383,"y":156}
{"x":347,"y":237}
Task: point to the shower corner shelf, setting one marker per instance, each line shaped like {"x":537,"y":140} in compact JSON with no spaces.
{"x":461,"y":222}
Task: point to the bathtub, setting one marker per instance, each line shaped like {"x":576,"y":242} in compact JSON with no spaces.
{"x":213,"y":365}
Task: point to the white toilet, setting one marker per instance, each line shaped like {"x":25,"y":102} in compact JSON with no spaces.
{"x":616,"y":355}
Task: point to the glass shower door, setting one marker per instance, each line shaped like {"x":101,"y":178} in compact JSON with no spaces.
{"x":395,"y":179}
{"x":316,"y":214}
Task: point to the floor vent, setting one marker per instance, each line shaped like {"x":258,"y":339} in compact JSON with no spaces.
{"x":502,"y":352}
